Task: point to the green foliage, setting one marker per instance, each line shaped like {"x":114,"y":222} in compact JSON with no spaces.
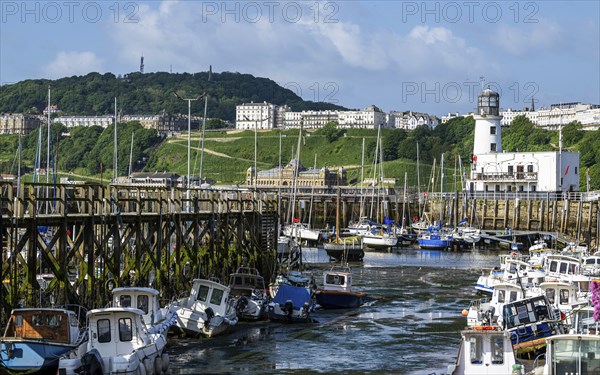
{"x":137,"y":93}
{"x":523,"y":136}
{"x":330,"y":131}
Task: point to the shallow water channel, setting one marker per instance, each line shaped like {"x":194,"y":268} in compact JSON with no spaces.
{"x":411,"y":325}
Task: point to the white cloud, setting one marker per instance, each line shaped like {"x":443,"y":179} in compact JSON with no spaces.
{"x":70,"y":63}
{"x":544,"y":36}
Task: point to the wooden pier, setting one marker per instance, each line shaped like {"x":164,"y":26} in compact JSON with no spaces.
{"x":91,"y":238}
{"x":72,"y":243}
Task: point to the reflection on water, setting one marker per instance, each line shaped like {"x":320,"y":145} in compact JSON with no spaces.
{"x":411,"y":325}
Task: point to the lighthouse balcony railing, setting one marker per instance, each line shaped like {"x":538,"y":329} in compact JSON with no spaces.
{"x":506,"y":176}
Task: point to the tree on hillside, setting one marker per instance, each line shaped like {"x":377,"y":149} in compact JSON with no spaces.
{"x":330,"y":131}
{"x":524,"y":136}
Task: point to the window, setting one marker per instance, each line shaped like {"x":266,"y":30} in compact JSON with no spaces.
{"x":492,"y":147}
{"x":510,"y":169}
{"x":142,"y":303}
{"x":521,"y":188}
{"x":564,"y":296}
{"x":492,"y":130}
{"x":550,"y":294}
{"x":216,"y":297}
{"x":497,"y":187}
{"x":533,"y":188}
{"x":202,"y":293}
{"x":125,"y":329}
{"x":530,"y":168}
{"x":500,"y":296}
{"x":497,"y":350}
{"x":125,"y":301}
{"x":553,"y":266}
{"x":476,"y":350}
{"x":103,"y":327}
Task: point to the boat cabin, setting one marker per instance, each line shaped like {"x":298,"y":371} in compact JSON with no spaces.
{"x":484,"y":350}
{"x":246,"y":281}
{"x":48,"y":324}
{"x":591,"y":265}
{"x":207,"y":293}
{"x":561,"y":267}
{"x":337,"y":280}
{"x":116,"y":330}
{"x":145,"y":299}
{"x":572,"y":354}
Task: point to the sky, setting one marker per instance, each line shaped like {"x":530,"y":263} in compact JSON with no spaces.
{"x":425,"y":56}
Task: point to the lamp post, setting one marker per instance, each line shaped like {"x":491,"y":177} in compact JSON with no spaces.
{"x":189,"y":101}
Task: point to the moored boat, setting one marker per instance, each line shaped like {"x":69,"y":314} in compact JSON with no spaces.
{"x":247,"y":286}
{"x":208,"y":311}
{"x":485,"y":350}
{"x":337,"y":290}
{"x":35,"y":338}
{"x":119,"y":342}
{"x":292,"y":304}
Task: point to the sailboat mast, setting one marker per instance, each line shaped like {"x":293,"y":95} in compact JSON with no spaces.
{"x":115,"y":145}
{"x":362,"y":180}
{"x":418,"y":184}
{"x":442,"y":191}
{"x":374,"y":173}
{"x":131,"y":153}
{"x":312,"y":194}
{"x":48,"y":147}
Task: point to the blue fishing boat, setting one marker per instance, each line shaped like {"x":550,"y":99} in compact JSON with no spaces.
{"x":530,"y":322}
{"x":292,"y":304}
{"x":435,"y":239}
{"x":337,"y":290}
{"x":35,"y":338}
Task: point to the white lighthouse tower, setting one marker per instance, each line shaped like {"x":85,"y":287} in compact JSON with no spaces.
{"x":488,"y":131}
{"x":493,"y":170}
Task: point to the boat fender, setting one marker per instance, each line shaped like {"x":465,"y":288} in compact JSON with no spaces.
{"x":148,"y":366}
{"x":158,"y":365}
{"x":209,"y":315}
{"x":165,"y":362}
{"x":141,"y":370}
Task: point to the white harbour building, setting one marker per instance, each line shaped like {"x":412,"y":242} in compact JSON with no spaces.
{"x":492,"y":169}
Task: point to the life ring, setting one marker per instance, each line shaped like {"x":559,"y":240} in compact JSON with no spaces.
{"x":111,"y":284}
{"x":415,"y":219}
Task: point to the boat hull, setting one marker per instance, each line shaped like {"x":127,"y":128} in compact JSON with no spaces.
{"x":331,"y":299}
{"x":351,"y":253}
{"x":31,"y":357}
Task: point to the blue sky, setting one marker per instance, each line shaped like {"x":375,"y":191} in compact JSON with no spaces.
{"x":399,"y":55}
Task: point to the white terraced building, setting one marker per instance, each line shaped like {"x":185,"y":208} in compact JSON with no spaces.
{"x":558,"y":115}
{"x":492,"y":169}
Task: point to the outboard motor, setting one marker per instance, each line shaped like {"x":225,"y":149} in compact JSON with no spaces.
{"x":91,"y":363}
{"x":288,"y":309}
{"x":209,"y":315}
{"x":241,"y":305}
{"x":305,"y":309}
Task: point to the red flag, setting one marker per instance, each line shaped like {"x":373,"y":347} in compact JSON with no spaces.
{"x":296,"y":220}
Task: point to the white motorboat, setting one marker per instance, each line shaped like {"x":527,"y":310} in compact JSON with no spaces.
{"x":301,"y":231}
{"x":119,"y":343}
{"x":145,"y":299}
{"x":208,"y":311}
{"x":576,"y":352}
{"x":248,"y":288}
{"x":378,"y":239}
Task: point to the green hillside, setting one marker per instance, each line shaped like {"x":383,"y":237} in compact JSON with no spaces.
{"x":149,"y":93}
